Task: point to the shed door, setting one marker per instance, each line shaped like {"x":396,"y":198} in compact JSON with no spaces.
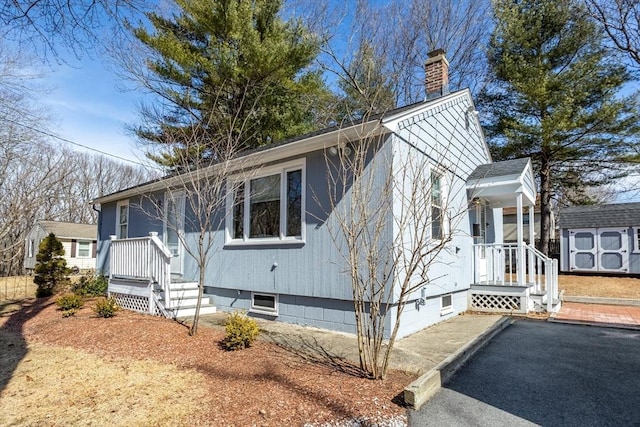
{"x":613,"y":253}
{"x":599,"y":249}
{"x":583,"y":249}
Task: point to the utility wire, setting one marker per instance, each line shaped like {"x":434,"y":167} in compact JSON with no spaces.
{"x":49,"y":134}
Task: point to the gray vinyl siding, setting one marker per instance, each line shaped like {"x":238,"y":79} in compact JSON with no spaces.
{"x":313,"y":269}
{"x":448,"y":136}
{"x":37,"y":234}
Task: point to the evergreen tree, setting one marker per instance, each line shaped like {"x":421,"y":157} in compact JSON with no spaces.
{"x":230,"y":72}
{"x":555,"y":98}
{"x":51,"y":267}
{"x":367,"y":90}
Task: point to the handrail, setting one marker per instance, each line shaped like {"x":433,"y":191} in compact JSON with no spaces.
{"x":143,"y":258}
{"x":500,"y":264}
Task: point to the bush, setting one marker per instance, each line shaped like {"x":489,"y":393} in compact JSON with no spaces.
{"x":106,"y":307}
{"x":241,"y":331}
{"x":91,"y":286}
{"x":51,"y":268}
{"x":70,"y":302}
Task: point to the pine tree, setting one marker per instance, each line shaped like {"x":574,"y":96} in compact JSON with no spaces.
{"x":51,"y":267}
{"x":367,"y":90}
{"x":555,"y":98}
{"x":230,"y":72}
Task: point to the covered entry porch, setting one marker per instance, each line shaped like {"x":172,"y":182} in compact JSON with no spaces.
{"x":513,"y":277}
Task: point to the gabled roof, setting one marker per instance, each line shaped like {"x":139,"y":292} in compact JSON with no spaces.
{"x":499,"y":182}
{"x":595,"y":216}
{"x":371,"y":126}
{"x":70,"y":230}
{"x":499,"y":169}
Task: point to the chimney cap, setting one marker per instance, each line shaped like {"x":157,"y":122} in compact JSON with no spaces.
{"x":435,"y":53}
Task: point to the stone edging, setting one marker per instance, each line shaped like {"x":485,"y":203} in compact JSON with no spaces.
{"x":422,"y":389}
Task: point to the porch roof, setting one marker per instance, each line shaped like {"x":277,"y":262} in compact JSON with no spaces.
{"x":499,"y":183}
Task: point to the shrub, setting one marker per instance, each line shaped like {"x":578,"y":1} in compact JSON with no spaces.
{"x":69,"y":302}
{"x":106,"y":307}
{"x":51,"y":268}
{"x":69,"y":313}
{"x":91,"y":286}
{"x":241,"y":331}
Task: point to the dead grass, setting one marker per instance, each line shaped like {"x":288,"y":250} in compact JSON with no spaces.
{"x":17,"y":287}
{"x":52,"y":385}
{"x":600,"y":286}
{"x":136,"y":370}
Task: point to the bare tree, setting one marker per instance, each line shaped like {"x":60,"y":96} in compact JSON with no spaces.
{"x":620,"y":19}
{"x":391,"y":218}
{"x":402,"y":32}
{"x":78,"y":26}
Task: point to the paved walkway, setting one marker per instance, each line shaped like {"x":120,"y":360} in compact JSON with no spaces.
{"x":415,"y":354}
{"x":603,"y":314}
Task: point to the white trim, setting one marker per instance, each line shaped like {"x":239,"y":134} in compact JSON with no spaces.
{"x":636,"y":240}
{"x":263,"y":310}
{"x":246,"y":178}
{"x":117,"y":230}
{"x":444,"y":310}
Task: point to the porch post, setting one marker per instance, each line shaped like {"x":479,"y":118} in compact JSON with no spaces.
{"x":520,"y":234}
{"x":532,"y":243}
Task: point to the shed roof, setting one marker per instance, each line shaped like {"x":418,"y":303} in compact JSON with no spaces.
{"x":594,"y":216}
{"x":70,"y":230}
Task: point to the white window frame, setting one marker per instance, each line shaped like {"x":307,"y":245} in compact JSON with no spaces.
{"x":636,"y":240}
{"x":444,"y":310}
{"x":245,"y":179}
{"x":118,"y":206}
{"x":443,"y":203}
{"x":263,"y":310}
{"x":78,"y":242}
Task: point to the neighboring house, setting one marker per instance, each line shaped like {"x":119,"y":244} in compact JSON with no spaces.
{"x":600,"y":238}
{"x":78,"y":240}
{"x":510,"y":225}
{"x":299,"y":277}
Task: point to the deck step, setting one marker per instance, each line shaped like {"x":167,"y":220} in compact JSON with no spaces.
{"x":190,"y":310}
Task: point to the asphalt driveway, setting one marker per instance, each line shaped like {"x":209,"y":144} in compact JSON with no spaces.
{"x":546,"y":374}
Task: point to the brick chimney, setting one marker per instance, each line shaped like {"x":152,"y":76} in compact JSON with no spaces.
{"x":436,"y":71}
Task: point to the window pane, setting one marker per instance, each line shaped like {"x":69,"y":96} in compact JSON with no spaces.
{"x":436,"y":196}
{"x":123,"y":214}
{"x":83,"y":249}
{"x":294,"y":203}
{"x":123,"y":232}
{"x":446,"y":301}
{"x":264,"y":302}
{"x":436,"y":222}
{"x":238,"y":213}
{"x":265,"y":207}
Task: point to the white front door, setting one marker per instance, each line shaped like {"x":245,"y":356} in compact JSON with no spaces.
{"x":599,"y":249}
{"x":174,"y":229}
{"x":480,"y":237}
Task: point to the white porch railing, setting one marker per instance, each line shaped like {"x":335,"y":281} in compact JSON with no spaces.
{"x":143,"y":258}
{"x":499,"y":264}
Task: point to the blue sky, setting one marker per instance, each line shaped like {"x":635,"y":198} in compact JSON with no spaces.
{"x":87,"y":107}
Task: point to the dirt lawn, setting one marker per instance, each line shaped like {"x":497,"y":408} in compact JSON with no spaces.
{"x":137,"y":370}
{"x":600,"y":286}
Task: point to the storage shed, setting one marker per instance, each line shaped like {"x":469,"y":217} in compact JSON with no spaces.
{"x":600,"y":238}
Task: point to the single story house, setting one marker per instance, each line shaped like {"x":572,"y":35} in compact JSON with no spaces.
{"x":290,"y":269}
{"x":600,"y":238}
{"x":78,"y":240}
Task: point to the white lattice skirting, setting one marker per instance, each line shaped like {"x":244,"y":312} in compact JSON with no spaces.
{"x":133,"y":302}
{"x":496,"y":302}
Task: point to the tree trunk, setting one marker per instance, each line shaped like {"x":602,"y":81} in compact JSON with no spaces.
{"x":545,"y":205}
